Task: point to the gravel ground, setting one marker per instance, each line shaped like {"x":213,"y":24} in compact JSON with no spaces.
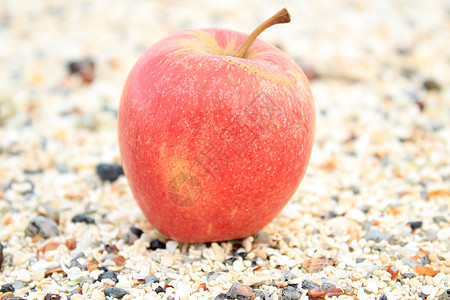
{"x":371,"y":219}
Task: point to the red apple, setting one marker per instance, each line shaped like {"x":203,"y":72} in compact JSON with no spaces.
{"x":215,"y":137}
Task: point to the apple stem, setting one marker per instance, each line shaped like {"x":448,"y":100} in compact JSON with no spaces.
{"x":280,"y":17}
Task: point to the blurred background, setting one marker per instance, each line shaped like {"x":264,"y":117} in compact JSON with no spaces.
{"x":357,"y":40}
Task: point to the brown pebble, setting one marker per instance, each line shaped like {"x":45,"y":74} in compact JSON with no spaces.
{"x":394,"y":274}
{"x":83,"y":68}
{"x":202,"y":286}
{"x":316,"y":264}
{"x":119,"y":260}
{"x":245,"y":290}
{"x":91,"y":266}
{"x":425,"y":270}
{"x":111,"y":248}
{"x":334,"y":291}
{"x":52,"y":297}
{"x":317,"y":293}
{"x":1,"y":256}
{"x":71,"y":244}
{"x":431,"y":85}
{"x":53,"y":270}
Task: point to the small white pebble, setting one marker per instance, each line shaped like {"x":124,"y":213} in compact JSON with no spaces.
{"x":98,"y":295}
{"x":384,"y":258}
{"x":171,"y":246}
{"x":356,"y":215}
{"x":433,"y":293}
{"x":183,"y":290}
{"x":238,"y":265}
{"x":247,"y":243}
{"x":23,"y":275}
{"x":167,"y":260}
{"x":224,"y":277}
{"x":281,"y":260}
{"x":410,"y":249}
{"x":355,"y":276}
{"x":440,"y":277}
{"x":218,"y":251}
{"x":426,"y":289}
{"x":108,"y":281}
{"x":74,"y":273}
{"x":38,"y":275}
{"x":372,"y":286}
{"x":340,"y":273}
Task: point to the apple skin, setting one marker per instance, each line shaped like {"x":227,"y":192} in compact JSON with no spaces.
{"x":214,"y":146}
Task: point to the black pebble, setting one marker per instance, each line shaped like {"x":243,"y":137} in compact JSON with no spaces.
{"x":109,"y":274}
{"x":431,"y":85}
{"x":134,"y":234}
{"x":136,"y":231}
{"x":115,"y":292}
{"x":7,"y":288}
{"x":157,"y":244}
{"x":109,"y":172}
{"x":221,"y":296}
{"x":77,"y":66}
{"x":409,"y":275}
{"x":415,"y":224}
{"x":159,"y":290}
{"x":308,"y":285}
{"x":383,"y":297}
{"x":360,"y":260}
{"x":230,"y":260}
{"x":242,"y":254}
{"x":83,"y":218}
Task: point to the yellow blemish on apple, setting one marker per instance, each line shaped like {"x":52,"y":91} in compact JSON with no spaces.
{"x":233,"y":212}
{"x":202,"y":41}
{"x":209,"y":45}
{"x":264,"y":74}
{"x":183,"y":187}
